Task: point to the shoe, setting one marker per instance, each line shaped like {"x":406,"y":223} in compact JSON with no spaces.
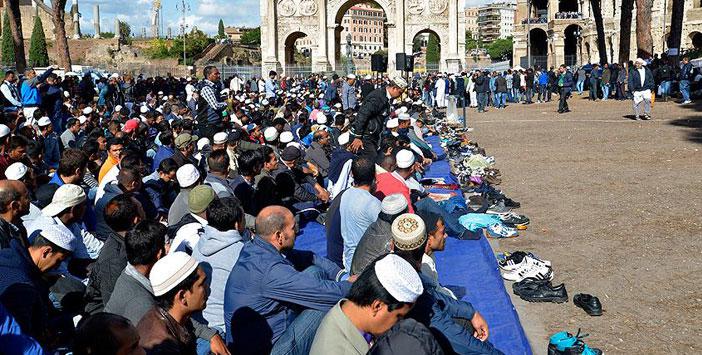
{"x":512,"y":203}
{"x":514,"y":220}
{"x":589,"y":303}
{"x":530,"y":283}
{"x":513,"y":261}
{"x":686,"y":102}
{"x":564,"y":343}
{"x":646,"y":117}
{"x":498,"y":208}
{"x":566,"y":110}
{"x":637,"y":118}
{"x":528,"y":269}
{"x":560,"y":111}
{"x":542,"y":291}
{"x":500,"y":231}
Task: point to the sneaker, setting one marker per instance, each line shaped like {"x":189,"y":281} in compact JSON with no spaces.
{"x":514,"y":220}
{"x":528,"y":270}
{"x":686,"y":102}
{"x":637,"y":118}
{"x":564,"y":343}
{"x":500,"y":231}
{"x":512,"y":261}
{"x":646,"y":117}
{"x":512,"y":203}
{"x":498,"y":208}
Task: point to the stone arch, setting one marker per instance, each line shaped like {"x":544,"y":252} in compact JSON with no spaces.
{"x":696,"y":39}
{"x":571,"y":46}
{"x":439,"y":33}
{"x":289,"y":46}
{"x":335,"y":16}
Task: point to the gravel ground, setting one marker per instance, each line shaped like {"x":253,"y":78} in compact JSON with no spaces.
{"x":615,"y":204}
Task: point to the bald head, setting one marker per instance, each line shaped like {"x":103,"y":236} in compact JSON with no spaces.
{"x":272,"y":219}
{"x":14,"y":199}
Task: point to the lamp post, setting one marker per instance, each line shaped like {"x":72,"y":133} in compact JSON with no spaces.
{"x":528,"y":27}
{"x":578,"y":35}
{"x":349,"y":55}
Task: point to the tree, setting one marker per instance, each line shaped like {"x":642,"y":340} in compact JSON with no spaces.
{"x":58,"y":11}
{"x":195,"y":43}
{"x":252,"y":37}
{"x":38,"y":56}
{"x":676,"y":28}
{"x":471,"y":42}
{"x":500,"y":49}
{"x":125,"y":31}
{"x":625,"y":31}
{"x":15,"y":21}
{"x":644,"y":39}
{"x":8,"y":45}
{"x":596,"y":6}
{"x":220,"y":30}
{"x":433,"y":52}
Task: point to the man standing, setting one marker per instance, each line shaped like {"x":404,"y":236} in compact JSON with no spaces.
{"x":641,"y":83}
{"x":348,"y":93}
{"x":606,"y":78}
{"x":565,"y":85}
{"x":368,"y":127}
{"x":11,"y":100}
{"x":210,"y":106}
{"x":271,"y":85}
{"x":31,"y":99}
{"x":685,"y":75}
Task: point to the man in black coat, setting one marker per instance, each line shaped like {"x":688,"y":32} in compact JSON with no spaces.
{"x":565,"y":85}
{"x":640,"y":84}
{"x":367,"y":128}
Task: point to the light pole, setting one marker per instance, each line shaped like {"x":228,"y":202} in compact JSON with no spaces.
{"x":528,"y":27}
{"x":183,"y":7}
{"x":578,"y":36}
{"x":349,"y":55}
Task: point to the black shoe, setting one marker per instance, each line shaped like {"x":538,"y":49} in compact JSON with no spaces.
{"x":512,"y":203}
{"x":560,"y":111}
{"x":544,"y":292}
{"x":566,"y":110}
{"x":589,"y":303}
{"x":529,"y":284}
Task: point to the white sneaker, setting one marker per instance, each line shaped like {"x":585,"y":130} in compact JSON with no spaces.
{"x":528,"y":269}
{"x":686,"y":102}
{"x":509,"y":264}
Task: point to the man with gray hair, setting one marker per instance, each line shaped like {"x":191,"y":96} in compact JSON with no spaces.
{"x":270,"y":306}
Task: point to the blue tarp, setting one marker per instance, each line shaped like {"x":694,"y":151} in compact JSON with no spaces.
{"x":468,"y":267}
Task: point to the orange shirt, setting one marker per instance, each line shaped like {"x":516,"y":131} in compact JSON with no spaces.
{"x":106,"y":166}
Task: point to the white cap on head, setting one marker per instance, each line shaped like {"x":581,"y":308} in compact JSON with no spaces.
{"x":368,"y":77}
{"x":44,"y":121}
{"x":144,"y":109}
{"x":408,"y":232}
{"x":404,"y":159}
{"x":399,"y":278}
{"x":264,"y":102}
{"x":641,"y":61}
{"x":322,"y":119}
{"x":4,"y":130}
{"x":170,"y":271}
{"x":270,"y":134}
{"x":82,"y":119}
{"x":403,"y":116}
{"x":344,"y":138}
{"x":62,"y":237}
{"x":114,"y":76}
{"x":16,"y":171}
{"x":392,"y":123}
{"x":66,"y":196}
{"x":187,"y":175}
{"x":393,"y":204}
{"x":66,"y":94}
{"x":118,"y":108}
{"x":337,"y":105}
{"x":160,"y":92}
{"x":351,"y":76}
{"x":286,"y":137}
{"x":88,"y":110}
{"x":399,"y":82}
{"x":220,"y":138}
{"x":202,"y":142}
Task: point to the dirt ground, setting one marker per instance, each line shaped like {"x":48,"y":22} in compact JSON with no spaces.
{"x":615,"y":205}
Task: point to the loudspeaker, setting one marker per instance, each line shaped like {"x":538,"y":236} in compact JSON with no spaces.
{"x":400,"y":61}
{"x":379,"y":63}
{"x":409,"y":63}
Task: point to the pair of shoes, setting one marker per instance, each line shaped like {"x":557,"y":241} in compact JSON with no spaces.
{"x":514,"y":220}
{"x":528,"y":267}
{"x":646,"y":117}
{"x":540,"y":290}
{"x":511,"y":261}
{"x":589,"y":303}
{"x":564,"y":343}
{"x":637,"y":118}
{"x":499,"y":207}
{"x":499,"y":230}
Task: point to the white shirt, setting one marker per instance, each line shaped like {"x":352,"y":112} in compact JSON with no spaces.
{"x":189,"y":89}
{"x":428,"y":268}
{"x":7,"y":92}
{"x":642,"y":75}
{"x":188,"y":235}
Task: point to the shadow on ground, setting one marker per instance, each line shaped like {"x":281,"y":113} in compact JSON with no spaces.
{"x":693,"y":123}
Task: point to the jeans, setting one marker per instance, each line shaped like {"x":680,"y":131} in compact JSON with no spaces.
{"x":482,"y":101}
{"x":605,"y":92}
{"x":515,"y":94}
{"x":529,"y":94}
{"x":665,"y":88}
{"x":580,"y":85}
{"x":685,"y":90}
{"x":593,"y":90}
{"x":542,"y":92}
{"x":508,"y":95}
{"x":297,"y":339}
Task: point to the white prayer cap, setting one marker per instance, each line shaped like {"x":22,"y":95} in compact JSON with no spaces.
{"x":403,"y":116}
{"x":404,"y":159}
{"x":88,"y":110}
{"x":286,"y":137}
{"x":392,"y":123}
{"x":344,"y":138}
{"x":398,"y":81}
{"x":4,"y":130}
{"x":44,"y":121}
{"x":118,"y":108}
{"x":66,"y":196}
{"x":337,"y":105}
{"x":220,"y":138}
{"x":264,"y":102}
{"x":393,"y":204}
{"x":114,"y":76}
{"x":144,"y":109}
{"x":322,"y":119}
{"x":399,"y":278}
{"x":408,"y":231}
{"x":270,"y":134}
{"x":351,"y":76}
{"x":16,"y":171}
{"x":294,"y":144}
{"x":66,"y":94}
{"x":368,"y":77}
{"x":59,"y":236}
{"x":224,"y":92}
{"x":160,"y":92}
{"x":202,"y":142}
{"x":82,"y":119}
{"x":639,"y":60}
{"x":187,"y":175}
{"x":170,"y":271}
{"x":247,"y":101}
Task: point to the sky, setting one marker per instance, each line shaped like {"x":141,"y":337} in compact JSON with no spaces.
{"x":204,"y":14}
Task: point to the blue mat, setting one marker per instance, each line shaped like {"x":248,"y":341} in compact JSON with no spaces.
{"x":468,"y":267}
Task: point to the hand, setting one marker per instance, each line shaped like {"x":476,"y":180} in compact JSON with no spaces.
{"x":426,"y":161}
{"x":323,"y":196}
{"x":352,"y":278}
{"x":217,"y":346}
{"x":480,"y":326}
{"x":356,"y":145}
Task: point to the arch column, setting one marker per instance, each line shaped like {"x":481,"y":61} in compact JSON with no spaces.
{"x":453,"y":60}
{"x":320,"y":58}
{"x":269,"y":41}
{"x":396,"y":35}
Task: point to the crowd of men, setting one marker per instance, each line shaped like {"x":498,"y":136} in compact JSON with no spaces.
{"x":639,"y":81}
{"x":160,"y":215}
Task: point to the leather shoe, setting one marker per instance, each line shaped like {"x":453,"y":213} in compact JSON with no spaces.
{"x":589,"y":303}
{"x":541,"y":291}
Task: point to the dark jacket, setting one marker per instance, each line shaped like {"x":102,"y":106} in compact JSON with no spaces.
{"x":374,"y":243}
{"x":567,"y":81}
{"x":366,"y":89}
{"x":480,"y":86}
{"x":500,"y":84}
{"x":407,"y":337}
{"x":104,"y":273}
{"x":335,"y":242}
{"x":370,"y":122}
{"x":9,"y":232}
{"x":635,"y":80}
{"x":317,"y":155}
{"x":686,"y":72}
{"x":245,"y":193}
{"x":22,"y":291}
{"x":290,"y":185}
{"x":159,"y":333}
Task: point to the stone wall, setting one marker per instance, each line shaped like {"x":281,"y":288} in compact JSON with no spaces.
{"x":28,"y":13}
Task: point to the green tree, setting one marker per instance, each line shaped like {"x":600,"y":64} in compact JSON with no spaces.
{"x":500,"y":49}
{"x":160,"y":49}
{"x":8,"y":45}
{"x":107,"y":35}
{"x":220,"y":30}
{"x":195,"y":42}
{"x":252,"y":37}
{"x":433,"y":52}
{"x":471,"y":43}
{"x":38,"y":55}
{"x":125,"y":32}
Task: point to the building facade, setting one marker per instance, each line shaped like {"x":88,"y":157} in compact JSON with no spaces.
{"x":496,"y":21}
{"x":563,"y":32}
{"x":471,"y":15}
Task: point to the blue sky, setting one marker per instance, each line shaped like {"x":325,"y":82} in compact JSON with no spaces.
{"x":204,"y":14}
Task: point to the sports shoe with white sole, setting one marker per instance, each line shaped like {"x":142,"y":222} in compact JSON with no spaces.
{"x":500,"y":231}
{"x":528,"y":269}
{"x":515,"y":260}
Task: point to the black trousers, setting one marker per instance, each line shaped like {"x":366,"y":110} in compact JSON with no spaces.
{"x":563,"y":101}
{"x":370,"y":150}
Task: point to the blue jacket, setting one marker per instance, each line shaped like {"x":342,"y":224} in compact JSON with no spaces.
{"x":52,"y":152}
{"x":543,"y":78}
{"x":330,"y":92}
{"x":29,"y":90}
{"x":266,"y":290}
{"x":12,"y":340}
{"x":567,"y":81}
{"x":162,"y":153}
{"x":348,"y":96}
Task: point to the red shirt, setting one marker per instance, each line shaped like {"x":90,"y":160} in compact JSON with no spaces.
{"x":388,"y":184}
